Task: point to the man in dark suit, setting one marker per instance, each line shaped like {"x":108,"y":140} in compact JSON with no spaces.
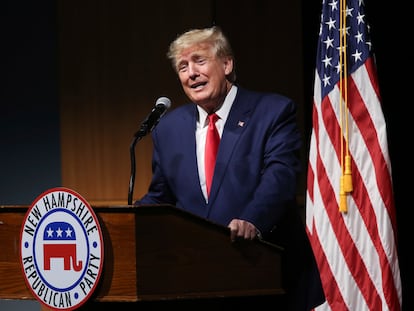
{"x":253,"y":190}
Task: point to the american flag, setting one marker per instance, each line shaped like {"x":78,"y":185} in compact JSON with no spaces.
{"x":350,"y":211}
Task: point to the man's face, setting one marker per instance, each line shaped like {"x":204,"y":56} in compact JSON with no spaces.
{"x":203,"y":75}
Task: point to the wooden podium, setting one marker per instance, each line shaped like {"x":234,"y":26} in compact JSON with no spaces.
{"x":158,"y":253}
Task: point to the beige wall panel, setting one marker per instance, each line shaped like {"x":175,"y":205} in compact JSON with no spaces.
{"x":113,"y":67}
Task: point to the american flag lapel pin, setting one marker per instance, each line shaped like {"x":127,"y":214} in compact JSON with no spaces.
{"x":240,"y":123}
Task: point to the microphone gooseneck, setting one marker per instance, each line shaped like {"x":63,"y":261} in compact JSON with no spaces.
{"x":161,"y":106}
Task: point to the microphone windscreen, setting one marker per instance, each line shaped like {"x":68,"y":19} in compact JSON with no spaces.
{"x":164,"y":101}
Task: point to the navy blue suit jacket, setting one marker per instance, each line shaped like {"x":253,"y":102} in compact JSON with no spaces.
{"x":255,"y":177}
{"x":257,"y":162}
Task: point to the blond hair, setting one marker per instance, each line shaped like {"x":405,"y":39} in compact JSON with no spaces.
{"x":212,"y":36}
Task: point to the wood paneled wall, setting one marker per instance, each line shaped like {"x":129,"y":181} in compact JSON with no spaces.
{"x":113,"y":67}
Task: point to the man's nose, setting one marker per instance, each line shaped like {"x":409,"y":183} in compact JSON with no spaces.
{"x":193,"y":71}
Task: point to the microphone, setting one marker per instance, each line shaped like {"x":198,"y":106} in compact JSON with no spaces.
{"x":161,"y":106}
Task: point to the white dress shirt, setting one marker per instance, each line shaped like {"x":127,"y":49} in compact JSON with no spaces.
{"x":201,"y":132}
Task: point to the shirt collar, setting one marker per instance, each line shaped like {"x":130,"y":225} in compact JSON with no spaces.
{"x":224,"y":110}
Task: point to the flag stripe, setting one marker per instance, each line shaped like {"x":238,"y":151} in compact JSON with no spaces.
{"x":355,"y":251}
{"x":384,"y":184}
{"x":329,"y":189}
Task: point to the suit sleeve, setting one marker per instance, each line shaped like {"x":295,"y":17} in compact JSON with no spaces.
{"x":276,"y":188}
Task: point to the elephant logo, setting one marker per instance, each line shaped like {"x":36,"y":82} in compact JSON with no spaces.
{"x":61,"y":249}
{"x":63,"y":245}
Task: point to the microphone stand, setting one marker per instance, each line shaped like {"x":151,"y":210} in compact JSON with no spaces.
{"x":137,"y":137}
{"x":162,"y":104}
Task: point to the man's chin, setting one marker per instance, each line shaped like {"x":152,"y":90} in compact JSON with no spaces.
{"x":198,"y":97}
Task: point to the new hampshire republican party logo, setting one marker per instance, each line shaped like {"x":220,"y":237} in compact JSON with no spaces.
{"x":61,"y":249}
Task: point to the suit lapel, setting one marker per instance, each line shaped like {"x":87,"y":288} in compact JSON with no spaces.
{"x":236,"y":123}
{"x":189,"y":124}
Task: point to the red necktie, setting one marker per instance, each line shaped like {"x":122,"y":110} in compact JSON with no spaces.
{"x":212,"y":142}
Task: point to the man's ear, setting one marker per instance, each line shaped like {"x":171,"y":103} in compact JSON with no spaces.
{"x":228,"y":65}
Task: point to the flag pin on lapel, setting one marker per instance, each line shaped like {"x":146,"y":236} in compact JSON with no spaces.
{"x":241,"y":123}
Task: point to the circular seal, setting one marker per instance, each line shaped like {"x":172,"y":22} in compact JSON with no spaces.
{"x":61,"y":249}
